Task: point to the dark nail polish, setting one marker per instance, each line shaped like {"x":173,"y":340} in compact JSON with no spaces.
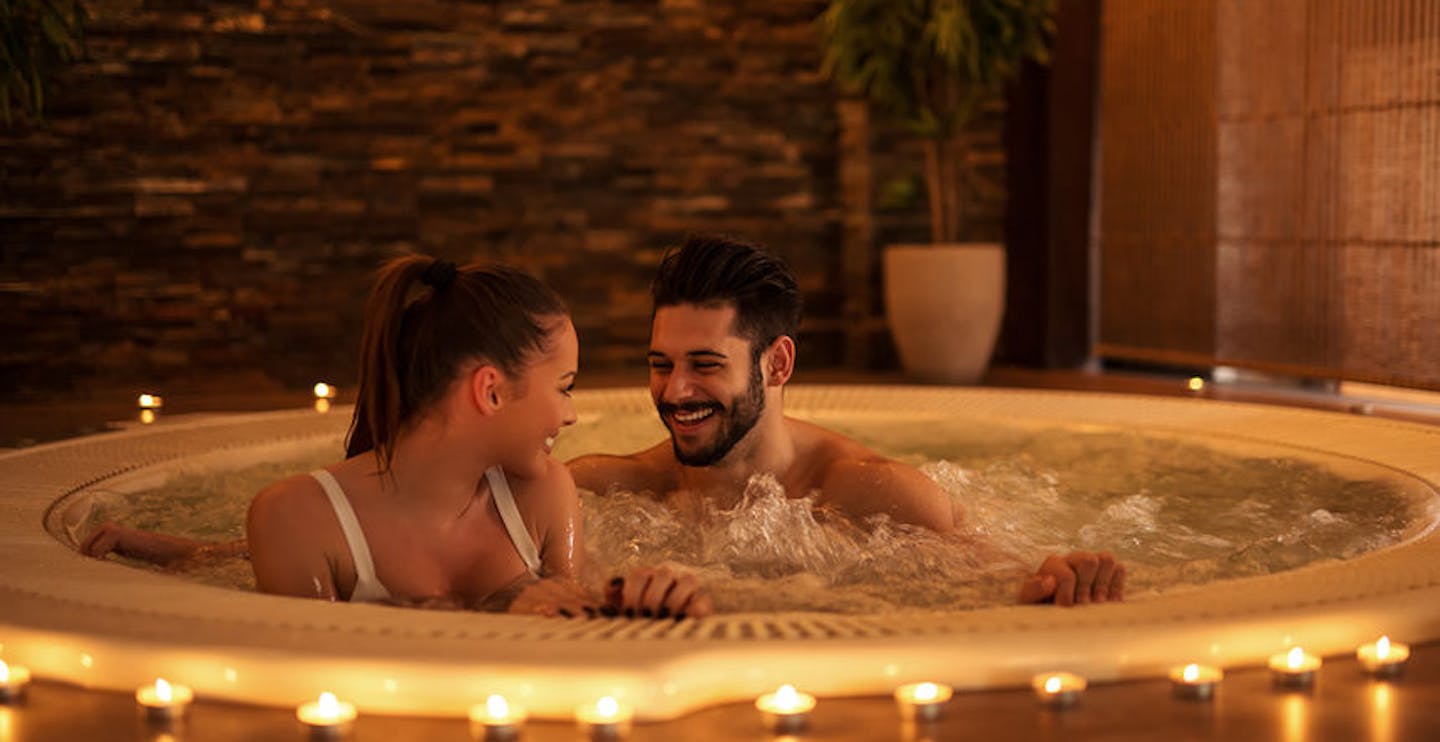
{"x":664,"y":613}
{"x":609,"y":611}
{"x":629,"y":612}
{"x":680,"y":616}
{"x":646,"y":613}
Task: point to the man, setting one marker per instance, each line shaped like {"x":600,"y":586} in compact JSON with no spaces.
{"x":722,"y":348}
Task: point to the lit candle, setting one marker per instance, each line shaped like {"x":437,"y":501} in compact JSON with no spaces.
{"x":787,"y":710}
{"x":496,"y":719}
{"x":163,"y":701}
{"x":1195,"y":682}
{"x":324,"y":391}
{"x":13,"y":681}
{"x":1294,"y":669}
{"x":150,"y":402}
{"x":1383,"y":658}
{"x":922,"y":701}
{"x":327,"y":717}
{"x":1195,"y":384}
{"x":1058,"y":689}
{"x":605,"y":719}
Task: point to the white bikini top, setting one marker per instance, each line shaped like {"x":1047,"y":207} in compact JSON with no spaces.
{"x":368,"y":588}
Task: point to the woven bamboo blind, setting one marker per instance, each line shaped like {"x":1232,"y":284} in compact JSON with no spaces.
{"x":1270,"y":186}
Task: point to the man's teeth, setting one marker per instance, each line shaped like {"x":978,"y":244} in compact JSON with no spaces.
{"x":694,"y":417}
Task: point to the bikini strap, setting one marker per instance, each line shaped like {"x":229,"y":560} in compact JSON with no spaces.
{"x":354,"y":536}
{"x":510,"y":516}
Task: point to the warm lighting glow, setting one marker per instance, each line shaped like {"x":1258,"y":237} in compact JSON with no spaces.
{"x":1293,"y":716}
{"x":147,"y":417}
{"x":163,"y":701}
{"x":1295,"y":659}
{"x":496,"y":707}
{"x":607,"y":708}
{"x":604,"y":719}
{"x":926,"y":692}
{"x":922,"y":702}
{"x":1196,"y":383}
{"x":86,"y":661}
{"x":1382,"y":648}
{"x":785,"y":700}
{"x":499,"y":719}
{"x":163,"y":692}
{"x":1191,"y":672}
{"x":322,"y":406}
{"x":323,"y":390}
{"x":13,"y":681}
{"x":1294,"y":668}
{"x":326,"y":712}
{"x":1383,"y":657}
{"x":150,"y":401}
{"x":4,"y":672}
{"x":1058,"y":689}
{"x":1382,"y":723}
{"x":1052,"y":685}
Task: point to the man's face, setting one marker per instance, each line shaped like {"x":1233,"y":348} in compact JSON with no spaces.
{"x":708,"y":391}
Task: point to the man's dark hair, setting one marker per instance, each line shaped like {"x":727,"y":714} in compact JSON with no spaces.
{"x":712,"y":270}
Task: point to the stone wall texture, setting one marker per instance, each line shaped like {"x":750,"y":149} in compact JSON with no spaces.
{"x":213,"y":187}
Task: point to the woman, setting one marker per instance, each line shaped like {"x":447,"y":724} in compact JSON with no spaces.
{"x":447,"y":494}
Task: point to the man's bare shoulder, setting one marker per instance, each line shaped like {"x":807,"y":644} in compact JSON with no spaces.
{"x":651,"y":470}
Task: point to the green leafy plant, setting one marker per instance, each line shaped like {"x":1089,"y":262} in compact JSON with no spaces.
{"x":931,"y":64}
{"x":36,"y":36}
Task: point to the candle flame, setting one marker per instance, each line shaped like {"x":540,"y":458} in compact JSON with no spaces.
{"x":496,"y":707}
{"x":1192,"y":671}
{"x":327,"y":705}
{"x":1295,"y":658}
{"x":607,"y":707}
{"x":786,"y":697}
{"x":4,"y":672}
{"x":163,"y":693}
{"x":323,"y":390}
{"x":1195,"y":383}
{"x":1052,"y":684}
{"x":927,"y":692}
{"x":1382,"y":647}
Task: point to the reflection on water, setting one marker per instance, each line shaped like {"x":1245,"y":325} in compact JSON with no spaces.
{"x":1178,"y":513}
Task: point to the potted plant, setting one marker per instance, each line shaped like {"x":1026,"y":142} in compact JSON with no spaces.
{"x":930,"y":64}
{"x":36,"y":37}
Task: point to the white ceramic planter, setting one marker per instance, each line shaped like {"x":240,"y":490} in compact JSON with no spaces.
{"x":944,"y":304}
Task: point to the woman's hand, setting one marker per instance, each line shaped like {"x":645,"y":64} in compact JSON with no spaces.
{"x":658,"y":592}
{"x":1076,"y":578}
{"x":156,"y":548}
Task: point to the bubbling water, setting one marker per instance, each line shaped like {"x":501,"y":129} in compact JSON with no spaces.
{"x":1176,"y":512}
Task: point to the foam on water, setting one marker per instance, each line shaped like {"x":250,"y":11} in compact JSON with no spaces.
{"x":1177,"y":512}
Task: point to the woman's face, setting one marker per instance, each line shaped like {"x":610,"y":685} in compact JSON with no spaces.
{"x":539,"y":403}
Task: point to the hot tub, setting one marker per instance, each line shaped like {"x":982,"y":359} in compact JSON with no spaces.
{"x":105,"y":625}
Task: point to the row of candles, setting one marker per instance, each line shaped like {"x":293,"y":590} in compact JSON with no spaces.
{"x":785,"y":711}
{"x":151,"y":404}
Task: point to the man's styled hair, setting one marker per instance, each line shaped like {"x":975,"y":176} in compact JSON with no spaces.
{"x":713,"y":270}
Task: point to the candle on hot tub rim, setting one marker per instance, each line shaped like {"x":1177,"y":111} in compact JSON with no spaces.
{"x":1058,"y":690}
{"x":14,"y":680}
{"x":497,"y":718}
{"x":327,"y":715}
{"x":164,"y":701}
{"x":1195,"y":681}
{"x":606,"y":718}
{"x":1294,"y":668}
{"x":922,"y":701}
{"x":1383,"y":658}
{"x":786,"y":709}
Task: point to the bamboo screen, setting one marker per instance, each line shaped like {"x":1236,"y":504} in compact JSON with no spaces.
{"x":1270,"y":186}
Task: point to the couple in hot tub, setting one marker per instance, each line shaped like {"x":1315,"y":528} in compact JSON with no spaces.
{"x":448,"y":494}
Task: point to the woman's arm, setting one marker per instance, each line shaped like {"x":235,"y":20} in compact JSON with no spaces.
{"x":287,"y":528}
{"x":156,"y":548}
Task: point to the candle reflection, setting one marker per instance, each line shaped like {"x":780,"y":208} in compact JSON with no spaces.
{"x":1382,"y":720}
{"x":1294,"y":714}
{"x":7,"y":725}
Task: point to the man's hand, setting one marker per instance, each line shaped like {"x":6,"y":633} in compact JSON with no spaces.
{"x":1076,"y":578}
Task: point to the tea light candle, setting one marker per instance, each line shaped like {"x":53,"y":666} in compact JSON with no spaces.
{"x":605,"y":719}
{"x":922,"y":701}
{"x":496,"y":719}
{"x":1195,"y":682}
{"x":327,"y":717}
{"x":786,"y":710}
{"x":14,"y":679}
{"x":150,"y":402}
{"x":1058,"y":690}
{"x":1294,"y":669}
{"x":1383,"y":658}
{"x":323,"y":390}
{"x":164,"y":701}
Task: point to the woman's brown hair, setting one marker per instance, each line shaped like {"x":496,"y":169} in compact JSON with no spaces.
{"x":425,"y":319}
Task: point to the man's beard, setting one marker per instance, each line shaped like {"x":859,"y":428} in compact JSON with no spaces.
{"x":735,"y":422}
